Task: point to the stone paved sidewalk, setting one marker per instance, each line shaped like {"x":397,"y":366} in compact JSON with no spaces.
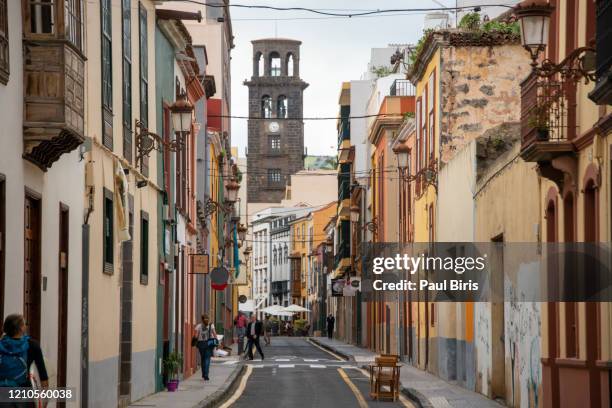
{"x":424,"y":388}
{"x":196,"y":393}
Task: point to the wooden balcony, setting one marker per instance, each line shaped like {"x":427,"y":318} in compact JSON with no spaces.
{"x":544,"y":129}
{"x":53,"y":101}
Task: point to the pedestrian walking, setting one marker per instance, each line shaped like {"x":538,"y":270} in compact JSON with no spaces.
{"x":17,"y":354}
{"x":331,"y":321}
{"x":254,"y":331}
{"x":240,"y":322}
{"x":267,"y":325}
{"x":206,"y":343}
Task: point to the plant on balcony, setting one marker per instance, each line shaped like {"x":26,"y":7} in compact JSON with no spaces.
{"x":172,"y":366}
{"x":539,"y":120}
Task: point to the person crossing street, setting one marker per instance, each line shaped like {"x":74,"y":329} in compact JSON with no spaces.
{"x":254,"y":332}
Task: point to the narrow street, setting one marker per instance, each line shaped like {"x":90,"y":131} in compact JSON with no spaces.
{"x":296,"y":373}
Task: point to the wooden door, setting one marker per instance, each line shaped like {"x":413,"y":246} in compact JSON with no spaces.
{"x":31,"y":275}
{"x":62,"y":332}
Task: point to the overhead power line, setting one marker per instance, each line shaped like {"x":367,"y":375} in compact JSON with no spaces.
{"x":328,"y":12}
{"x":307,"y":117}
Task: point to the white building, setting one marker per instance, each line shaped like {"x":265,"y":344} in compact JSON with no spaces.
{"x":42,"y":179}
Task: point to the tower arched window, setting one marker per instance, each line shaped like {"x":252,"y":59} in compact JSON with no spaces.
{"x":259,"y":58}
{"x":275,"y":64}
{"x":266,"y":106}
{"x":290,"y":63}
{"x":281,"y":107}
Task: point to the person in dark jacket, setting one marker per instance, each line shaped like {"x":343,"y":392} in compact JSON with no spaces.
{"x":331,"y":321}
{"x":15,"y":347}
{"x":254,"y":332}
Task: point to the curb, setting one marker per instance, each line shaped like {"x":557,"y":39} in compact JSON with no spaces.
{"x":416,"y":397}
{"x":226,"y":389}
{"x":345,"y":356}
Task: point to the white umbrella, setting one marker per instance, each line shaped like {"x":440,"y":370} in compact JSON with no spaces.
{"x":248,"y":306}
{"x":273,"y":309}
{"x":296,"y":309}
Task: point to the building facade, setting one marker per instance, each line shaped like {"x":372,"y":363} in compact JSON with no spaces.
{"x":43,"y":99}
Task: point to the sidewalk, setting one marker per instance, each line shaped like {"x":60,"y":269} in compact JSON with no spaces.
{"x":424,"y":388}
{"x":225,"y":374}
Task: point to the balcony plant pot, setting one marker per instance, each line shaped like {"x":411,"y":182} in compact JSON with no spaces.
{"x":542,"y":134}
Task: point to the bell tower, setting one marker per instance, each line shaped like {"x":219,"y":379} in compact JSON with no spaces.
{"x":276,"y":130}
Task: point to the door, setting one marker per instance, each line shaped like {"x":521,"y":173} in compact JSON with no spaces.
{"x":31,"y":264}
{"x":62,"y":332}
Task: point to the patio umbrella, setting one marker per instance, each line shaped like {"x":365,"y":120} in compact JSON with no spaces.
{"x":273,"y":309}
{"x":296,"y":309}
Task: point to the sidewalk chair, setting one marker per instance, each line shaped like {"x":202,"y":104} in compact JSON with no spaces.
{"x":384,"y":377}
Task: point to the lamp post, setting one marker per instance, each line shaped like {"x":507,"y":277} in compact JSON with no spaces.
{"x":534,"y":21}
{"x":181,"y":114}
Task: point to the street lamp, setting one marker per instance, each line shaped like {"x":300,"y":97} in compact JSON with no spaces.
{"x":402,"y":152}
{"x":242,"y":230}
{"x":534,"y":21}
{"x":232,"y":191}
{"x":181,"y":114}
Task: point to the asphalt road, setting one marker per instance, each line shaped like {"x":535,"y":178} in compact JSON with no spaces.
{"x":297,"y":374}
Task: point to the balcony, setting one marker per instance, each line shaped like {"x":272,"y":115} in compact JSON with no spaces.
{"x":402,"y":87}
{"x":544,"y":120}
{"x":344,"y":125}
{"x":296,"y":275}
{"x":279,"y":288}
{"x":53,"y":102}
{"x":343,"y":252}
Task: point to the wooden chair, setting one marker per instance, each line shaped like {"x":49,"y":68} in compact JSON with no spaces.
{"x":384,"y":377}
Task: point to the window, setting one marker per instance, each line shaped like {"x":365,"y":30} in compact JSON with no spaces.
{"x":286,"y":253}
{"x":42,"y":16}
{"x":144,"y":77}
{"x":259,"y":64}
{"x":4,"y":45}
{"x":274,"y":256}
{"x":423,"y":150}
{"x":73,"y":21}
{"x":430,"y":109}
{"x":274,"y":176}
{"x":281,"y":107}
{"x":144,"y":248}
{"x":274,"y":143}
{"x":126,"y":29}
{"x":266,"y":106}
{"x":290,"y":63}
{"x":107,"y":74}
{"x":107,"y":227}
{"x":275,"y":64}
{"x":418,"y":135}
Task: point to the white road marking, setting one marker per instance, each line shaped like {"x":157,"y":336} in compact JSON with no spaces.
{"x":282,"y":359}
{"x":257,"y":365}
{"x":230,"y":362}
{"x":311,"y":360}
{"x":317,"y":366}
{"x":286,"y":366}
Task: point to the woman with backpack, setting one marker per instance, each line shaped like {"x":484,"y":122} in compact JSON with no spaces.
{"x":17,"y":353}
{"x":206,"y":337}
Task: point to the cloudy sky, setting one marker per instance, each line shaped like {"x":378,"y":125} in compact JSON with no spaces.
{"x":333,"y":50}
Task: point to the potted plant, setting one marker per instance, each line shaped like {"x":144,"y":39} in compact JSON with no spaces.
{"x":539,"y":121}
{"x":172,"y":366}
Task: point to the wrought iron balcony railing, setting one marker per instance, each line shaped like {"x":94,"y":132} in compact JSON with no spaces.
{"x":402,"y":87}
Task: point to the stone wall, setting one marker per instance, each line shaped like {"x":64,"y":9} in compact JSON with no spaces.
{"x":480,"y":90}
